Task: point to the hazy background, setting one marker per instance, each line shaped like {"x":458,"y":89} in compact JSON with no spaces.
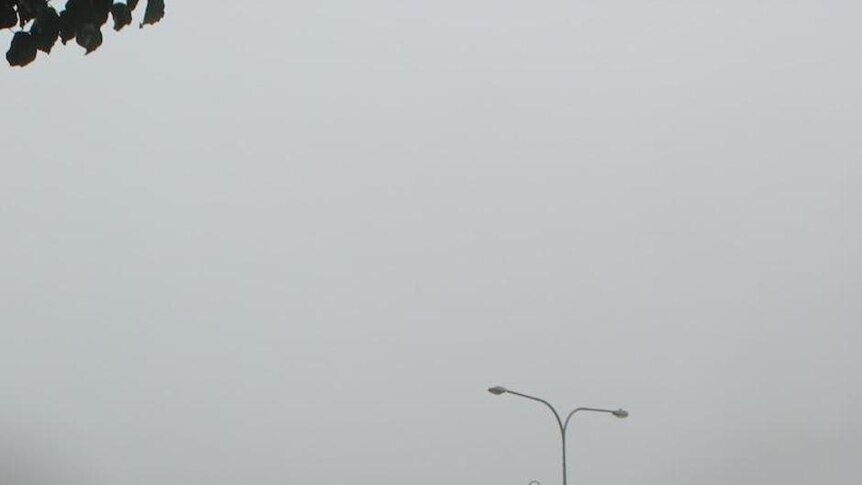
{"x":294,"y":242}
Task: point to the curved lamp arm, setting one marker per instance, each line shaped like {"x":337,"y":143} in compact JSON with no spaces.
{"x":620,"y":413}
{"x":546,"y":403}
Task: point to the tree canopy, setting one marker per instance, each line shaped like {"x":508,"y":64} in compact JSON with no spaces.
{"x":39,"y":25}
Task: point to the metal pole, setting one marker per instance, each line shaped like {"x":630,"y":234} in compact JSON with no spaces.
{"x":564,"y":455}
{"x":563,"y":425}
{"x":559,"y":423}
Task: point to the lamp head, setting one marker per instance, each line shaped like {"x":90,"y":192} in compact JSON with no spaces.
{"x":497,"y":390}
{"x":620,"y":413}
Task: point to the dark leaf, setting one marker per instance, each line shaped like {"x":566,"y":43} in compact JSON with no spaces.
{"x":79,"y":19}
{"x":46,"y":29}
{"x":155,"y":11}
{"x":8,"y":16}
{"x":67,"y":26}
{"x":89,"y":37}
{"x":29,"y":9}
{"x":122,"y":15}
{"x":101,"y":11}
{"x":23,"y":49}
{"x":73,"y":15}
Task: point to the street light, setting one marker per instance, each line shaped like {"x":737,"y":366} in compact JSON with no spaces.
{"x":564,"y":425}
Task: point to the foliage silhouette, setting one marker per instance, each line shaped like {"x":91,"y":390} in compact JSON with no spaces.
{"x":41,"y":25}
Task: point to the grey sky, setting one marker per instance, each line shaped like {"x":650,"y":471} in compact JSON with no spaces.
{"x":295,"y":244}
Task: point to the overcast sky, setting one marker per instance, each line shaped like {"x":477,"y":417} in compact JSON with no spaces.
{"x":294,"y":243}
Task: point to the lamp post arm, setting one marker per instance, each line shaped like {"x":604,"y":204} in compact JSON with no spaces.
{"x":546,"y":403}
{"x":565,"y":424}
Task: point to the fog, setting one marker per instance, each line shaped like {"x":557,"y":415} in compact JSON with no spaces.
{"x":296,"y":242}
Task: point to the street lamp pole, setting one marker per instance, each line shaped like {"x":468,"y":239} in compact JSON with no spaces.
{"x":563,"y":425}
